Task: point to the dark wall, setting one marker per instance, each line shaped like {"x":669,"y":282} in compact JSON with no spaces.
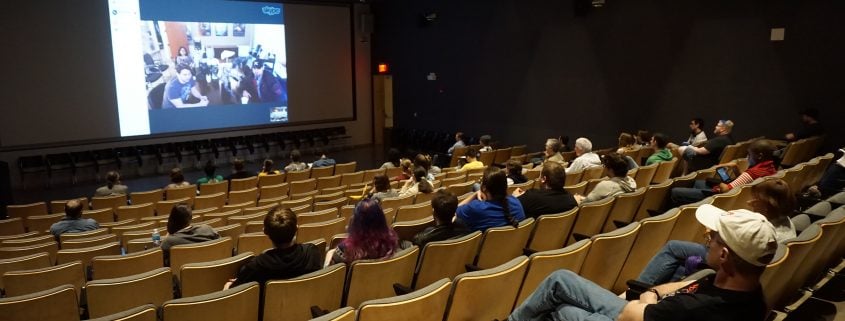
{"x":527,"y":70}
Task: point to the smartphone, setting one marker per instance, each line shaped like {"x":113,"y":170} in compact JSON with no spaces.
{"x":724,"y":175}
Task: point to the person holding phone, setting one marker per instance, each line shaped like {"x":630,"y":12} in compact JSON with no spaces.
{"x":760,"y":162}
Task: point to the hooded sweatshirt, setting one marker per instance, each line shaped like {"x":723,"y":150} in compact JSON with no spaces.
{"x":278,"y":263}
{"x":611,"y":187}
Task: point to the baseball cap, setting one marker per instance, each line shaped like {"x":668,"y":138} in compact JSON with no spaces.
{"x":750,"y":235}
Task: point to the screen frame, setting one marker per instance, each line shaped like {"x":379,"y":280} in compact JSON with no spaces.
{"x":118,"y":139}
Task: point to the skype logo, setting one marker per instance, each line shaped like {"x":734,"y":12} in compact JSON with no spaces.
{"x":271,"y":11}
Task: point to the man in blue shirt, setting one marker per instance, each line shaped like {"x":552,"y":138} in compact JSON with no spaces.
{"x":73,"y":221}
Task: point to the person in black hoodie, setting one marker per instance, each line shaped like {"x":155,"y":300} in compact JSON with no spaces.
{"x":287,"y":259}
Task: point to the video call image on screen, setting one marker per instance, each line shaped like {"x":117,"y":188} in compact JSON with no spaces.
{"x":222,"y":66}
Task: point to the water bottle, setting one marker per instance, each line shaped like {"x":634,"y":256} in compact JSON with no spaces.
{"x":156,"y":237}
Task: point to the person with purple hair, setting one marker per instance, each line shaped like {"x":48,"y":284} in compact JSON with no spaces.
{"x":369,"y":236}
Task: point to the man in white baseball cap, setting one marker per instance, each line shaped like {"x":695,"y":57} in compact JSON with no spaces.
{"x":739,"y":245}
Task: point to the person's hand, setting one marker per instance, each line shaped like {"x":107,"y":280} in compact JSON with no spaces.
{"x":518,"y":192}
{"x":579,"y":198}
{"x":228,"y":284}
{"x":480,"y":196}
{"x":246,"y":94}
{"x":790,"y":136}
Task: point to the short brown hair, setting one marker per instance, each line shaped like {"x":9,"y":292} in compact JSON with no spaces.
{"x":280,"y":226}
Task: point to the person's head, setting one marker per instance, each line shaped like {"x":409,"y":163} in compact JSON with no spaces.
{"x":183,"y":51}
{"x":183,"y":73}
{"x":258,"y":66}
{"x":280,"y":226}
{"x":180,"y":217}
{"x":553,"y":175}
{"x":176,"y":176}
{"x":381,"y":183}
{"x":319,"y":153}
{"x":444,"y":204}
{"x":760,"y":150}
{"x":420,"y":177}
{"x":739,"y":243}
{"x":615,"y":165}
{"x":209,"y":169}
{"x":422,"y":161}
{"x":238,"y":164}
{"x":643,"y":136}
{"x":696,"y":125}
{"x":583,"y":145}
{"x":659,"y":141}
{"x":268,"y":166}
{"x":514,"y":167}
{"x":810,"y":115}
{"x":459,"y":136}
{"x":773,"y":198}
{"x":552,"y":146}
{"x":723,"y":127}
{"x":295,"y":156}
{"x":626,"y":140}
{"x":113,"y":178}
{"x":369,"y":234}
{"x":393,"y":156}
{"x":485,"y":140}
{"x":472,"y":153}
{"x":494,"y":184}
{"x":406,"y":166}
{"x":73,"y":209}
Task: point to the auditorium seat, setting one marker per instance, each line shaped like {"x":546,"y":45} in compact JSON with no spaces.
{"x":240,"y":184}
{"x":406,"y":230}
{"x":317,"y":216}
{"x":653,"y":199}
{"x":12,"y":226}
{"x":623,"y":210}
{"x":374,"y":279}
{"x":274,"y":191}
{"x":112,"y":202}
{"x":263,"y":209}
{"x":778,"y":281}
{"x":77,"y":243}
{"x":163,"y":208}
{"x":591,"y":217}
{"x":310,"y":195}
{"x":42,"y":223}
{"x":687,"y":228}
{"x":199,"y":252}
{"x":256,"y":242}
{"x":271,"y":180}
{"x":207,"y":277}
{"x":524,"y":186}
{"x":213,"y":188}
{"x":108,"y":296}
{"x":577,"y":189}
{"x":40,"y":239}
{"x":335,"y":203}
{"x":425,"y":304}
{"x":664,"y":171}
{"x":244,"y":196}
{"x":223,"y":214}
{"x":27,"y":262}
{"x":369,"y":174}
{"x":85,"y":254}
{"x":323,"y":230}
{"x":116,"y":266}
{"x":58,"y":206}
{"x":292,"y":299}
{"x":296,"y":176}
{"x":8,"y":252}
{"x":134,"y":211}
{"x":153,"y":196}
{"x":55,"y":304}
{"x":487,"y":294}
{"x":501,"y":244}
{"x":645,"y":174}
{"x":324,"y":171}
{"x":551,"y":230}
{"x":607,"y":255}
{"x":654,"y":233}
{"x":239,"y":303}
{"x":24,"y":282}
{"x":342,"y":314}
{"x":542,"y":264}
{"x":147,"y":312}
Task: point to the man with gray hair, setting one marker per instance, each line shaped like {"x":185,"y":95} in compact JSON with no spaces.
{"x":552,"y":152}
{"x":586,"y":158}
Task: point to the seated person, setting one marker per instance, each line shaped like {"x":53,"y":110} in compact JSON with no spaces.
{"x":417,"y":184}
{"x":472,"y":160}
{"x":832,"y":181}
{"x":760,"y":158}
{"x":177,"y":179}
{"x":182,"y":89}
{"x":551,"y":153}
{"x":661,"y":152}
{"x":491,"y":206}
{"x":550,"y":198}
{"x":444,"y":205}
{"x":287,"y":259}
{"x":515,"y":175}
{"x":738,"y":246}
{"x":73,"y":221}
{"x":459,"y":142}
{"x":617,"y":169}
{"x":322,"y":160}
{"x":381,"y":188}
{"x":812,"y":127}
{"x":393,"y":156}
{"x":424,"y":161}
{"x":209,"y":177}
{"x":627,"y":143}
{"x":407,"y":170}
{"x":369,"y":236}
{"x":269,"y":88}
{"x":296,"y":163}
{"x":585,"y":156}
{"x":180,"y":231}
{"x":113,"y":186}
{"x":485,"y":143}
{"x":239,"y":171}
{"x":772,"y":198}
{"x":708,"y":155}
{"x":697,"y":135}
{"x":267,"y":168}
